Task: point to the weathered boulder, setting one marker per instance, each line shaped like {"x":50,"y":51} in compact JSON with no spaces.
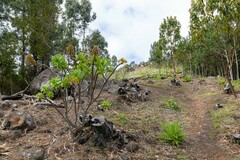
{"x":41,"y":79}
{"x":18,"y":120}
{"x":113,"y":88}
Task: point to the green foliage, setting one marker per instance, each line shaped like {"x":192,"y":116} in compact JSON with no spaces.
{"x":105,"y":104}
{"x":172,"y":133}
{"x":84,"y":66}
{"x":9,"y":80}
{"x":172,"y":105}
{"x":222,"y":116}
{"x":122,"y":117}
{"x":156,"y":54}
{"x":45,"y":91}
{"x":187,"y":79}
{"x":221,"y":81}
{"x":55,"y":83}
{"x":59,"y":62}
{"x":236,"y":85}
{"x":40,"y":96}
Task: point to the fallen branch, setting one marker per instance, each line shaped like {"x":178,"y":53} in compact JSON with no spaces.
{"x":12,"y":97}
{"x":49,"y":104}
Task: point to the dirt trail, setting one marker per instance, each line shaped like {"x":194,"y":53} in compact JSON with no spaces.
{"x":200,"y":139}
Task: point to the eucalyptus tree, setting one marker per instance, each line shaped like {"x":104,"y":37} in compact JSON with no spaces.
{"x":169,"y":37}
{"x":156,"y":53}
{"x":185,"y":54}
{"x":8,"y":65}
{"x":77,"y":17}
{"x":96,"y":39}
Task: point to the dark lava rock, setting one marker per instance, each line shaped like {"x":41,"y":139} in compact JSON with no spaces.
{"x":41,"y":79}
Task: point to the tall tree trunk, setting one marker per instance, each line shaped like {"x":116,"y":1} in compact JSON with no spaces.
{"x":23,"y":57}
{"x":236,"y":59}
{"x":229,"y":65}
{"x":227,"y":72}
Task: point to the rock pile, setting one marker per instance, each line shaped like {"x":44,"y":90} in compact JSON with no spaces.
{"x":131,"y":91}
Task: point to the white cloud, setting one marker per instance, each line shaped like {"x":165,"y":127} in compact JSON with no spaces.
{"x":131,"y":26}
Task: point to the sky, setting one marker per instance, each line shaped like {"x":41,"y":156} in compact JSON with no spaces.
{"x":131,"y":26}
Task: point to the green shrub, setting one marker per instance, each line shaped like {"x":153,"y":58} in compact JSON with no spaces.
{"x":172,"y":105}
{"x":122,"y":117}
{"x":187,"y":79}
{"x":236,"y":85}
{"x":172,"y":133}
{"x":105,"y":104}
{"x":221,"y":81}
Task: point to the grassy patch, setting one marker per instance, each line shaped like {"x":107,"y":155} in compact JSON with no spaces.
{"x":187,"y":79}
{"x":207,"y":94}
{"x":151,"y":72}
{"x":236,"y":85}
{"x":222,"y":117}
{"x":221,"y":81}
{"x":172,"y":133}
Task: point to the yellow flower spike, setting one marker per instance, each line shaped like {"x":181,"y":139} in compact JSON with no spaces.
{"x":122,"y":61}
{"x":95,"y":50}
{"x":30,"y":60}
{"x":74,"y":81}
{"x":70,"y":50}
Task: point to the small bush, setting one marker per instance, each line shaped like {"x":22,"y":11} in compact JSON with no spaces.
{"x":172,"y":133}
{"x":187,"y":79}
{"x":221,"y":81}
{"x":236,"y":85}
{"x":122,"y":117}
{"x":172,"y":105}
{"x":105,"y":104}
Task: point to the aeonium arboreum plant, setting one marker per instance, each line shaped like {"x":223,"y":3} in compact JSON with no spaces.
{"x":69,"y":78}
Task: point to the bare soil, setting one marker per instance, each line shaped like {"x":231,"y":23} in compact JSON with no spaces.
{"x":143,"y":121}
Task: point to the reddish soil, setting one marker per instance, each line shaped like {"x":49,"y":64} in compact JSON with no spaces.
{"x":143,"y":122}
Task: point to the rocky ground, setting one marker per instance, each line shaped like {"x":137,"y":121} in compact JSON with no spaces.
{"x":209,"y":129}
